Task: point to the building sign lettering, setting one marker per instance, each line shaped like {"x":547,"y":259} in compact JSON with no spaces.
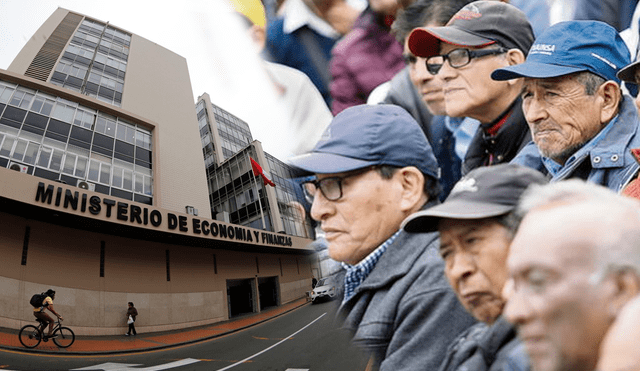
{"x":143,"y":216}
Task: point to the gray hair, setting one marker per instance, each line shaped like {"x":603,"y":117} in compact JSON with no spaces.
{"x":618,"y":248}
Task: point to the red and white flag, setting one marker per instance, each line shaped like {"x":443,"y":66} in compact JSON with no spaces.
{"x":257,"y":170}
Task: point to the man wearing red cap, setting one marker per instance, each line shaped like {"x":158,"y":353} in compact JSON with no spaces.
{"x":481,"y":37}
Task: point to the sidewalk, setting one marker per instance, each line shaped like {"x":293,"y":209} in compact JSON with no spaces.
{"x":88,"y":345}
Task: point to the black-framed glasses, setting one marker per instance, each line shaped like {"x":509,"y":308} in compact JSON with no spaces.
{"x":331,"y":187}
{"x":459,"y":58}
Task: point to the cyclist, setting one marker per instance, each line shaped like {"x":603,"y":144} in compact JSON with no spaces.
{"x":40,"y":314}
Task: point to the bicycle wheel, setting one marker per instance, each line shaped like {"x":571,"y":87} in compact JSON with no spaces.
{"x":29,"y":336}
{"x":64,"y":337}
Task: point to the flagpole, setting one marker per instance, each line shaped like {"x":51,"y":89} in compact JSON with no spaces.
{"x":258,"y":194}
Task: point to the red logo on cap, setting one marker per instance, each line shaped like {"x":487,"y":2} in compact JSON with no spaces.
{"x":467,"y":13}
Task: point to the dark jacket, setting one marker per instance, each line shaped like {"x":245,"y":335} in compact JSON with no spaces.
{"x":403,"y":93}
{"x":133,"y":312}
{"x":487,"y":150}
{"x":487,"y":348}
{"x":405,"y":313}
{"x":610,"y":163}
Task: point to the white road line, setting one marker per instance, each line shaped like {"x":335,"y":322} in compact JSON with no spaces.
{"x":273,"y":346}
{"x":297,"y":369}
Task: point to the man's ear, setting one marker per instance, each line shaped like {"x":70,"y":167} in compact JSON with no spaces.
{"x":609,"y":97}
{"x":412,"y":182}
{"x":515,"y":56}
{"x":626,"y":286}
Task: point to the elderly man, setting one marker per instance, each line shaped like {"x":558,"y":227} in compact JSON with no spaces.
{"x":481,"y":37}
{"x":374,"y":167}
{"x":476,"y":227}
{"x":420,"y":92}
{"x":575,"y":263}
{"x":582,"y":124}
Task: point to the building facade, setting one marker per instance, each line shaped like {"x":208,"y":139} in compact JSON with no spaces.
{"x":236,"y":193}
{"x":101,"y":172}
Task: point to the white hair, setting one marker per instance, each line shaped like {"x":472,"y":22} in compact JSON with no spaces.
{"x":618,"y":246}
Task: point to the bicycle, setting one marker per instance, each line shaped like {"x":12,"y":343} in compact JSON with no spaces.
{"x":30,"y":336}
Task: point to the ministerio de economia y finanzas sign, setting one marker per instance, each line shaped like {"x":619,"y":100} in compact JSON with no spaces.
{"x":131,"y":214}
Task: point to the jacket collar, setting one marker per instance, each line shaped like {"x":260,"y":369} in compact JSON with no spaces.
{"x":399,"y":257}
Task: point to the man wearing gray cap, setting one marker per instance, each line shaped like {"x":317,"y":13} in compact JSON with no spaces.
{"x":374,"y":167}
{"x":476,"y":225}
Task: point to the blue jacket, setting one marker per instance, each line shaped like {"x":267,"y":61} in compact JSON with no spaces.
{"x":289,"y":49}
{"x":609,"y":164}
{"x":405,"y":314}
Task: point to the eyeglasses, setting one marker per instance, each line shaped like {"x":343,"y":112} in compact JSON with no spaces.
{"x":459,"y":58}
{"x":331,"y":187}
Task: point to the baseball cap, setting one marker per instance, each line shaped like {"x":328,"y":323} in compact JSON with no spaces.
{"x":367,"y":135}
{"x":484,"y":192}
{"x":478,"y":24}
{"x":628,"y":73}
{"x":569,"y":47}
{"x":252,"y":9}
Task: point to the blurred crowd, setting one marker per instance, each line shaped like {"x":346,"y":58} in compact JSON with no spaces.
{"x":473,"y":166}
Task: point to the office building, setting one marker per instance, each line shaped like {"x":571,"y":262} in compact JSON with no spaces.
{"x":236,"y":193}
{"x":104,"y":194}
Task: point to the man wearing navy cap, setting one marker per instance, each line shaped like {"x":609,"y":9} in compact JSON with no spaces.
{"x":481,"y":37}
{"x":582,"y":125}
{"x":374,"y":167}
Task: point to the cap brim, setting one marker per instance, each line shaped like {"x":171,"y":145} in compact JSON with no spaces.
{"x":326,"y":163}
{"x":533,"y":69}
{"x":628,"y":73}
{"x":427,"y":220}
{"x":425,"y":42}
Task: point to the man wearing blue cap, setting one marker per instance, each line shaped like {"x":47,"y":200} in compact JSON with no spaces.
{"x":582,"y":125}
{"x":374,"y":167}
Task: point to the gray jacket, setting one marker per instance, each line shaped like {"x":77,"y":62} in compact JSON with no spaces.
{"x":405,"y":314}
{"x":487,"y":348}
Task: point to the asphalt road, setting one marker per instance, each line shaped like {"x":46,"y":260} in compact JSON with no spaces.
{"x":304,"y":339}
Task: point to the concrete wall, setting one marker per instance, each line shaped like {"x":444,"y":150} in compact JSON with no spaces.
{"x":68,"y":260}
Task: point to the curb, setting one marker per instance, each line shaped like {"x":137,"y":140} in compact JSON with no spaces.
{"x":159,"y":347}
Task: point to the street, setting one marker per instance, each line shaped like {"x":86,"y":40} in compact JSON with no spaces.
{"x":303,"y":339}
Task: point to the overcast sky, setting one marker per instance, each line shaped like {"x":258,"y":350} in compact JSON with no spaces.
{"x":220,"y":58}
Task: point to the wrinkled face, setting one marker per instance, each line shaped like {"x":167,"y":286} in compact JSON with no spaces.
{"x":469,"y":91}
{"x":560,"y":312}
{"x":428,"y":86}
{"x":386,"y":7}
{"x":475,"y":254}
{"x":561,"y":116}
{"x":363,"y":218}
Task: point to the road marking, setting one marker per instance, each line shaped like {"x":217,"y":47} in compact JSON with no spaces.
{"x":297,"y":369}
{"x":273,"y":346}
{"x":110,"y":366}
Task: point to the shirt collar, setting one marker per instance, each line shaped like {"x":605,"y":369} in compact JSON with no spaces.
{"x":554,"y":167}
{"x":356,"y":274}
{"x":296,"y":15}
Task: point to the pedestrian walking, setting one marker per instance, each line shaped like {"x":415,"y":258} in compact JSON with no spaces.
{"x":132,"y":312}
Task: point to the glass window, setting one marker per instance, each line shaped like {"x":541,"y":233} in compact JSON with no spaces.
{"x":32,"y":152}
{"x":69,"y":163}
{"x":81,"y":167}
{"x":45,"y":156}
{"x":94,"y":170}
{"x":105,"y":173}
{"x":18,"y":152}
{"x":6,"y":94}
{"x":63,"y":112}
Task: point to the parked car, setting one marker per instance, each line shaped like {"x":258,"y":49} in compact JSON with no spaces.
{"x":325,"y":289}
